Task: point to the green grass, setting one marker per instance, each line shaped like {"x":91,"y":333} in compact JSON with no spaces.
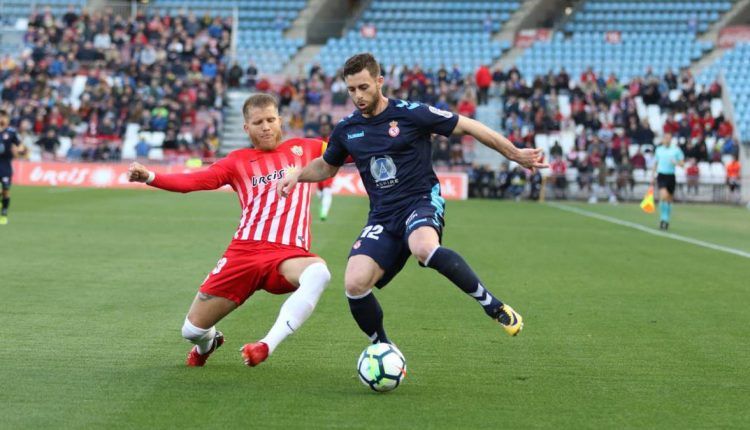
{"x":623,"y":329}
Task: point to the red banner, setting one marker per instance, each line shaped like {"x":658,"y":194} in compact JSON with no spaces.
{"x":453,"y":185}
{"x":526,"y":38}
{"x":92,"y":175}
{"x":729,"y":36}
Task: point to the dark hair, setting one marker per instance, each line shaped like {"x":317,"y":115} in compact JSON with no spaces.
{"x":3,"y":112}
{"x":359,"y":62}
{"x":260,"y":100}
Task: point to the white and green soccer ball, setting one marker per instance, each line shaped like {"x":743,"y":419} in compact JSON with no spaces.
{"x":381,"y":366}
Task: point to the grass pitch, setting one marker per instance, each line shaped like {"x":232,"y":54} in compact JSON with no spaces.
{"x":623,"y":329}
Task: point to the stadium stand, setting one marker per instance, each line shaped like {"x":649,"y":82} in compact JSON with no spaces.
{"x":596,"y":96}
{"x":734,"y":65}
{"x":430,"y":34}
{"x":261,"y":27}
{"x":94,"y":79}
{"x":626,"y":37}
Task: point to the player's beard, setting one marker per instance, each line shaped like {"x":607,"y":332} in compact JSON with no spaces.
{"x":267,"y":144}
{"x":372,"y":106}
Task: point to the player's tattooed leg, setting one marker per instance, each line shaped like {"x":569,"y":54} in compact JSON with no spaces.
{"x":205,"y":297}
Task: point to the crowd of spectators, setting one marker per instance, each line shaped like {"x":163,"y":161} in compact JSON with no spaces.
{"x":170,"y":73}
{"x":315,"y":97}
{"x":612,"y":139}
{"x":87,"y":76}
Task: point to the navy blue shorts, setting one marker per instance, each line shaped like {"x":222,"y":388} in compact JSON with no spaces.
{"x":386,"y":240}
{"x":6,"y":177}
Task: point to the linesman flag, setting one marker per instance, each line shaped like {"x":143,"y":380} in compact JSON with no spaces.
{"x":648,"y":201}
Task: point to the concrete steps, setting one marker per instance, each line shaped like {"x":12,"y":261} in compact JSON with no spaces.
{"x":233,"y":136}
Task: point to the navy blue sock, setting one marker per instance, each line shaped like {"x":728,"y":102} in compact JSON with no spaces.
{"x":369,"y":316}
{"x":454,"y":267}
{"x":6,"y":203}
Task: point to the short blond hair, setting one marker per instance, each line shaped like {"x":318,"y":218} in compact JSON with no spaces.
{"x":260,"y":100}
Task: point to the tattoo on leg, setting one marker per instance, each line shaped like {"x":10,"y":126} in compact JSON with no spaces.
{"x":205,"y":297}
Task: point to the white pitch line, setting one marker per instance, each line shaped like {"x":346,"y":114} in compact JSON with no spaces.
{"x":652,"y":231}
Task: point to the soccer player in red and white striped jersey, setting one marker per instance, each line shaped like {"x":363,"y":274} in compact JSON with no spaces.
{"x":271,"y":247}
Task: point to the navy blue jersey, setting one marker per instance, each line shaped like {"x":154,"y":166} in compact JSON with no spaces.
{"x":8,"y":138}
{"x":392,"y":152}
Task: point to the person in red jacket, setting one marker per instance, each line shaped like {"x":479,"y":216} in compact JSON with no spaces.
{"x":483,"y":78}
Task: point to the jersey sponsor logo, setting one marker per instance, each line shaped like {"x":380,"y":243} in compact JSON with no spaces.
{"x":394,"y":130}
{"x":297,"y":150}
{"x":6,"y":136}
{"x":266,"y":179}
{"x":383,"y":171}
{"x":443,"y":113}
{"x":411,"y":218}
{"x":357,"y":135}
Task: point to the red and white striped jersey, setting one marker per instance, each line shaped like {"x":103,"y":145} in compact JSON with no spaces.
{"x":253,"y":175}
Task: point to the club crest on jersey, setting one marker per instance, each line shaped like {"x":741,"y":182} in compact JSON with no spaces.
{"x":394,"y":130}
{"x":383,"y":171}
{"x":297,"y":150}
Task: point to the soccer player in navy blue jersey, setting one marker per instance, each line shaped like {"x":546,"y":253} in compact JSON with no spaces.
{"x":389,"y":140}
{"x":10,"y":147}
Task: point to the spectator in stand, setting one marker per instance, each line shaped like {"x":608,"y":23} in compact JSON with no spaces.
{"x":467,"y":107}
{"x":670,"y":79}
{"x":671,"y":126}
{"x":251,"y":75}
{"x":49,"y":144}
{"x":483,"y":79}
{"x":692,"y":173}
{"x":558,"y":169}
{"x":517,"y":182}
{"x":730,"y":147}
{"x":441,"y":153}
{"x":502,"y":181}
{"x":234,"y":76}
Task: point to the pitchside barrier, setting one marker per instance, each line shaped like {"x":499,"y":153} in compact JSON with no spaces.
{"x":454,"y":185}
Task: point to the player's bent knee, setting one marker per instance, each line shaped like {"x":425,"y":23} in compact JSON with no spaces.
{"x":423,"y":252}
{"x":317,"y":271}
{"x":357,"y":286}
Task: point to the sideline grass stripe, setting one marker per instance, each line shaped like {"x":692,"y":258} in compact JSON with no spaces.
{"x":648,"y":230}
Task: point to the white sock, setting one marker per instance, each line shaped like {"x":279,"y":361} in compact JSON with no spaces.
{"x":325,"y":201}
{"x":203,"y":338}
{"x":299,"y":306}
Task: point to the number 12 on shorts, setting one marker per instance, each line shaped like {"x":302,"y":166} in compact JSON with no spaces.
{"x":372,"y":232}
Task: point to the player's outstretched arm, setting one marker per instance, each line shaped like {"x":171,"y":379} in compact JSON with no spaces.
{"x":526,"y":157}
{"x":316,"y":171}
{"x":208,"y":179}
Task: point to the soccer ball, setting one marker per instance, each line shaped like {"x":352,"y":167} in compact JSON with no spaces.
{"x":381,"y":366}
